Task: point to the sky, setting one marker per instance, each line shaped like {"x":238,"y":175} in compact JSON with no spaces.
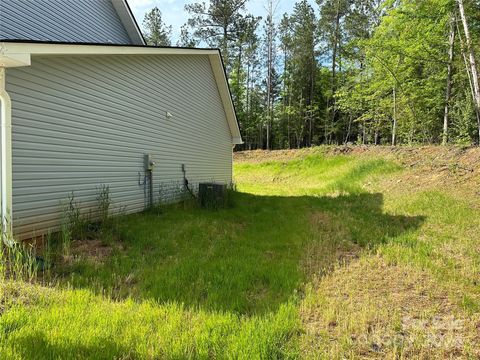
{"x":173,"y":12}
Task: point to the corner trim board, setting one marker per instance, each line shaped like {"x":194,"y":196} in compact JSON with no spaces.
{"x":6,"y":156}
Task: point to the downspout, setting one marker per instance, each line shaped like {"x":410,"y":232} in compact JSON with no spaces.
{"x":6,"y":157}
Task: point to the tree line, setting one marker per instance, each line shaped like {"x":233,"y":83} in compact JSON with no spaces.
{"x":343,"y":71}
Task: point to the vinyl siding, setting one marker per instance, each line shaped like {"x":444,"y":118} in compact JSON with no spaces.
{"x":80,"y":122}
{"x":92,"y":21}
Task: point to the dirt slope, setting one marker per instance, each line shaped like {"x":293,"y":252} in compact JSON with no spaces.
{"x":427,"y":166}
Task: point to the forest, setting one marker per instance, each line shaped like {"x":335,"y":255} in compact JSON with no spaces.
{"x":343,"y":71}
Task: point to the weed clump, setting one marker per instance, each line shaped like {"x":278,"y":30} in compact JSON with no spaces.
{"x":95,"y":223}
{"x":18,"y":261}
{"x":104,"y":202}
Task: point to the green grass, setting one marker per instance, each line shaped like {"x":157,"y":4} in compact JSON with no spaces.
{"x":77,"y":324}
{"x":313,"y":175}
{"x":243,"y":259}
{"x":243,"y":282}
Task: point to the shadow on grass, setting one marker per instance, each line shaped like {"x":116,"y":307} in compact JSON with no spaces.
{"x":247,"y":259}
{"x":31,"y":346}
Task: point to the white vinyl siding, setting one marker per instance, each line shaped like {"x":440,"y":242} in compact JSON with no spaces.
{"x":89,"y":21}
{"x":79,"y":122}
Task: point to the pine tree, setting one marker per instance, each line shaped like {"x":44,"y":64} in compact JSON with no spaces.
{"x":216,"y":23}
{"x":157,"y":33}
{"x":303,"y":71}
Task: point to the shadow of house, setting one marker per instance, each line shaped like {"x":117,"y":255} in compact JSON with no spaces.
{"x":246,"y":259}
{"x":28,"y":347}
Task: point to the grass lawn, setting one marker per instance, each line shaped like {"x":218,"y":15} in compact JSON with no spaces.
{"x":320,"y":256}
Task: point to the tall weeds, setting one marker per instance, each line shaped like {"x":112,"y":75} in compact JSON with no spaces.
{"x":18,"y":260}
{"x":104,"y":202}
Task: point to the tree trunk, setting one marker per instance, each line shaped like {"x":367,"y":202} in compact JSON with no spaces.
{"x":284,"y":96}
{"x":239,"y":64}
{"x":394,"y":127}
{"x":467,"y":70}
{"x":225,"y":46}
{"x":311,"y":94}
{"x":326,"y":129}
{"x":268,"y":135}
{"x":309,"y":128}
{"x":269,"y":67}
{"x":448,"y":90}
{"x":247,"y":97}
{"x":288,"y":121}
{"x":348,"y":130}
{"x":473,"y":64}
{"x":334,"y":62}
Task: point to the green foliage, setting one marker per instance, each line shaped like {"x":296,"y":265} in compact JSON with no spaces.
{"x":217,"y":23}
{"x":47,"y":255}
{"x":233,"y":259}
{"x":157,"y":33}
{"x":347,"y":71}
{"x":463,"y":129}
{"x":99,"y":221}
{"x":406,"y":54}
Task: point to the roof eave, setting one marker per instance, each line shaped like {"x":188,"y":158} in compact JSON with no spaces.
{"x":18,"y":53}
{"x":226,"y":96}
{"x":129,"y":22}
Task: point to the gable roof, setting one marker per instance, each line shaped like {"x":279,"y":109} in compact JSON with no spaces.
{"x":79,"y":21}
{"x":129,"y":22}
{"x":19,"y":53}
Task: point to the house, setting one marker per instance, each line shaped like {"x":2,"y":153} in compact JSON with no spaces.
{"x":84,"y":103}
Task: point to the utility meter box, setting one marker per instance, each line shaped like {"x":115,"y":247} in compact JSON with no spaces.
{"x":149,"y":163}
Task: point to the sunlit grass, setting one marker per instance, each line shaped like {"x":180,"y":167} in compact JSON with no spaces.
{"x":77,"y":324}
{"x":312,"y":175}
{"x":318,"y":258}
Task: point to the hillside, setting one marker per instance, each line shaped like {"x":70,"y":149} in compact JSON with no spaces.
{"x":426,"y":166}
{"x":413,"y":292}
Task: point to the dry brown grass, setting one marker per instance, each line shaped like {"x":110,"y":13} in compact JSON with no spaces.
{"x":372,"y":309}
{"x":321,"y":256}
{"x":93,"y":251}
{"x":15,"y":293}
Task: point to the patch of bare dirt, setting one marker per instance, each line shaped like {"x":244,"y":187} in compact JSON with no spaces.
{"x":372,"y":309}
{"x":258,"y":156}
{"x":95,"y":251}
{"x":465,"y":161}
{"x":454,"y":170}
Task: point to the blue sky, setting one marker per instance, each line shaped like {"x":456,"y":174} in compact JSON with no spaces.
{"x":173,"y":10}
